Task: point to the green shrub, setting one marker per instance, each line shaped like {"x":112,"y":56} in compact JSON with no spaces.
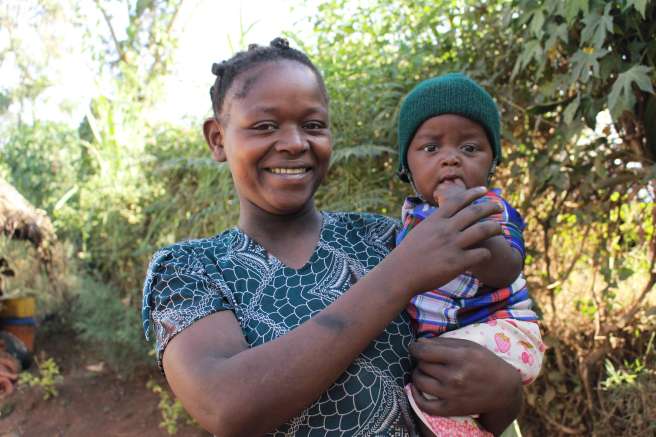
{"x":109,"y":325}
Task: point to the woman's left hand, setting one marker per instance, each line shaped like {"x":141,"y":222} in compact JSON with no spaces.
{"x":466,"y":379}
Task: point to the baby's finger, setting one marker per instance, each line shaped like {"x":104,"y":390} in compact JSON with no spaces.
{"x":458,"y":201}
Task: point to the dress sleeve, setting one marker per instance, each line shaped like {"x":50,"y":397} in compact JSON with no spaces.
{"x":178,"y":292}
{"x":512,"y":224}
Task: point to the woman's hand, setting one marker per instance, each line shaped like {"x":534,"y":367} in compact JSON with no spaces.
{"x":444,"y":245}
{"x":466,"y":379}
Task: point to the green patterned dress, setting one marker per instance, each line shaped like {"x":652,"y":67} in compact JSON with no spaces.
{"x":190,"y":280}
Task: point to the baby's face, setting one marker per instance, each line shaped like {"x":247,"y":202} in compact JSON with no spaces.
{"x":449,"y":152}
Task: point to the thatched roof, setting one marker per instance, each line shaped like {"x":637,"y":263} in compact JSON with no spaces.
{"x":20,"y":220}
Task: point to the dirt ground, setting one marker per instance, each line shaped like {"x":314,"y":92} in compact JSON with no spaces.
{"x":92,"y":401}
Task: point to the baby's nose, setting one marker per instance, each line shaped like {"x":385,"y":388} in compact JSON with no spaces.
{"x":449,"y":158}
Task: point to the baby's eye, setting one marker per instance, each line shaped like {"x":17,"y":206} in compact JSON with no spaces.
{"x":469,"y":148}
{"x":265,"y":126}
{"x":429,"y":148}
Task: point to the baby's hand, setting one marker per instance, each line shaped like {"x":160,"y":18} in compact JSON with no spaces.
{"x":447,"y":190}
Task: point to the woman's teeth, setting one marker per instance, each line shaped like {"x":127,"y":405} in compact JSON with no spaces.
{"x":288,"y":170}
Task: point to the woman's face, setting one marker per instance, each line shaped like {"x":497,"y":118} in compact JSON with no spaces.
{"x":449,"y":149}
{"x":275,"y":136}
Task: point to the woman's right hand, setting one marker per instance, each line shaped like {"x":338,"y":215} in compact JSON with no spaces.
{"x":444,"y":245}
{"x":464,"y":378}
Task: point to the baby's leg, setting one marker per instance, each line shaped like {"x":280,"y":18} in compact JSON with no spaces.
{"x":518,"y":343}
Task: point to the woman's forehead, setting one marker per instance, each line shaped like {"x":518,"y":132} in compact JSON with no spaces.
{"x":272,"y":74}
{"x":272,"y":83}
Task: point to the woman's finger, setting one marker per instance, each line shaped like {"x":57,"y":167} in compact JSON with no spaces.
{"x":472,"y":257}
{"x":458,"y":201}
{"x":478,"y":232}
{"x":439,"y":350}
{"x":474,"y":213}
{"x":436,"y":406}
{"x":427,"y":383}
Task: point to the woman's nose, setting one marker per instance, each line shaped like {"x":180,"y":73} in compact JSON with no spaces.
{"x":292,"y":141}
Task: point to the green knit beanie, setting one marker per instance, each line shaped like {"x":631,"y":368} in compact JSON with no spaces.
{"x":453,"y":93}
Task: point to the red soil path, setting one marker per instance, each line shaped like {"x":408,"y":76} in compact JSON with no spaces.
{"x":90,"y":402}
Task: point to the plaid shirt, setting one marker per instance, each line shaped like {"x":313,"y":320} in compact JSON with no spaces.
{"x":465,"y":299}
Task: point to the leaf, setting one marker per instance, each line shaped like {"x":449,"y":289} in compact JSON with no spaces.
{"x":570,"y":110}
{"x":556,"y":32}
{"x":537,"y":22}
{"x":596,"y":27}
{"x":585,"y":64}
{"x":625,"y":273}
{"x":532,"y":50}
{"x":571,"y":9}
{"x":639,"y":5}
{"x":621,"y":96}
{"x":589,"y":109}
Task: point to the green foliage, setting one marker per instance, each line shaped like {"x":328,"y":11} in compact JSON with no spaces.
{"x":47,"y":380}
{"x":618,"y":377}
{"x":574,"y":81}
{"x":109,"y":325}
{"x":173,"y":413}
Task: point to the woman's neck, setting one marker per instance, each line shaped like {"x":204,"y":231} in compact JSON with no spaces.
{"x":269,"y":229}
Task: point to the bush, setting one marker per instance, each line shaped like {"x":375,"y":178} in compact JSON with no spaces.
{"x":111,"y":326}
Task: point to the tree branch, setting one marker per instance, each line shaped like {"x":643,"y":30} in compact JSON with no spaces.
{"x":117,"y":44}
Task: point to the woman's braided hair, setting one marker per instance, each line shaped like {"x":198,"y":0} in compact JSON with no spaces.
{"x":226,"y":71}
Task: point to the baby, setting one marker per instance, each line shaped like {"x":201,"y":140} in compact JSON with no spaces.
{"x":449,"y":141}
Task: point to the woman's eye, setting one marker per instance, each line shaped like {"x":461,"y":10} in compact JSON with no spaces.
{"x":430,"y":148}
{"x":314,"y":125}
{"x":265,"y":126}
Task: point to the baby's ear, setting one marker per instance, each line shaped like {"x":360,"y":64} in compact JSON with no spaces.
{"x":213,"y":132}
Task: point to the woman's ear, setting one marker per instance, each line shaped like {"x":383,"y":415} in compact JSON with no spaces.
{"x":213,"y":132}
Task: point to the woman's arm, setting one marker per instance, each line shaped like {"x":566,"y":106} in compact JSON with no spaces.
{"x":232,"y":390}
{"x":466,"y":379}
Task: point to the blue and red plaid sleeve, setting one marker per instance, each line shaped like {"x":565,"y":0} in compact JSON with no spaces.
{"x":512,"y":224}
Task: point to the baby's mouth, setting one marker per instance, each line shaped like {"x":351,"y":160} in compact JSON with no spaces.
{"x":450,"y":179}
